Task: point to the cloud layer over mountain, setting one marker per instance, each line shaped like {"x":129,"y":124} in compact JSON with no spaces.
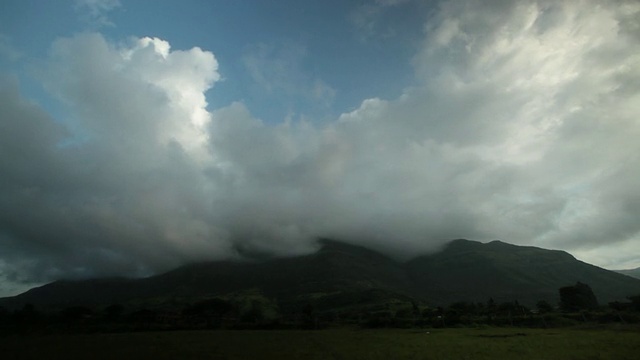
{"x":523,"y":126}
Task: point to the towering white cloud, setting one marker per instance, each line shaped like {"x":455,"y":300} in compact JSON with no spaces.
{"x":121,"y":179}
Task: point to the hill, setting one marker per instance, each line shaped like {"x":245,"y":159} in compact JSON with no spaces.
{"x":340,"y":275}
{"x":337,"y":274}
{"x":635,"y":273}
{"x":472,"y":271}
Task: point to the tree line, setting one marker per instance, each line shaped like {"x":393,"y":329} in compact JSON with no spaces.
{"x":577,"y":305}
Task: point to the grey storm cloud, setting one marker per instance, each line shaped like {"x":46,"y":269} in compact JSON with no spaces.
{"x":523,"y":127}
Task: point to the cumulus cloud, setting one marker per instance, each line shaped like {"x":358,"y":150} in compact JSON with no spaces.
{"x":556,"y":90}
{"x":523,"y":128}
{"x":126,"y":182}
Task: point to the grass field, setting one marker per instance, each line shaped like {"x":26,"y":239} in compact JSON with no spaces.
{"x":491,"y":343}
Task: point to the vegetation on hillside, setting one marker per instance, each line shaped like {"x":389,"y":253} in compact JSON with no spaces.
{"x":367,"y":309}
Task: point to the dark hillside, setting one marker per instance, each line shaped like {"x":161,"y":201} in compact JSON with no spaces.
{"x":341,"y":275}
{"x":336,"y":268}
{"x":635,"y":273}
{"x":472,"y":271}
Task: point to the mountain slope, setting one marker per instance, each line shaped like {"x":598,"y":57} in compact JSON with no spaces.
{"x":340,"y":274}
{"x":472,"y":271}
{"x":336,"y":268}
{"x":635,"y":273}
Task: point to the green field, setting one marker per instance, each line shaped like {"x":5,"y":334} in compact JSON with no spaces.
{"x":490,"y":343}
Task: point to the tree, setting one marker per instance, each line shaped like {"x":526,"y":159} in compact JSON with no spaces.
{"x":577,"y":297}
{"x":415,"y":310}
{"x":544,"y":307}
{"x":491,"y":304}
{"x":209,"y":312}
{"x":309,"y":317}
{"x":27,"y":314}
{"x":75,"y":313}
{"x":255,"y":313}
{"x":635,"y":302}
{"x":113,"y":312}
{"x":211,"y":307}
{"x":4,"y":314}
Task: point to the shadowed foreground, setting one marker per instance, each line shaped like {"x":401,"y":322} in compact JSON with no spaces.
{"x":332,"y":344}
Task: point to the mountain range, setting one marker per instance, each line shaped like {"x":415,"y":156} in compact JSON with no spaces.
{"x":341,"y":274}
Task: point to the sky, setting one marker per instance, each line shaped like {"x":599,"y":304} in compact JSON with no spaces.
{"x":138,"y":136}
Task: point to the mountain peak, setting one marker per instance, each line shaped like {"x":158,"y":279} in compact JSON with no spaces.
{"x":462,"y":245}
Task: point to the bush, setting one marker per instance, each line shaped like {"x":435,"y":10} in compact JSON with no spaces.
{"x":577,"y":297}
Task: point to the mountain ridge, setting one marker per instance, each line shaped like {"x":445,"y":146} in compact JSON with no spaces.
{"x":469,"y":270}
{"x":635,"y":273}
{"x":464,"y":270}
